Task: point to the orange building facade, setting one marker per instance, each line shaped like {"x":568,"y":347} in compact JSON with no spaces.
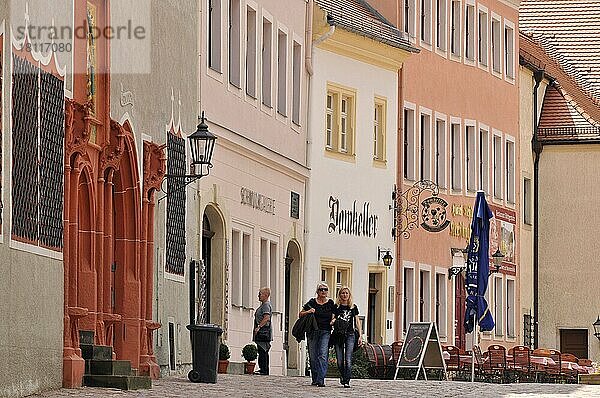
{"x":458,"y":133}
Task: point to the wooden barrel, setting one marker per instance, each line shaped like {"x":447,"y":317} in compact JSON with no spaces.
{"x":381,"y":360}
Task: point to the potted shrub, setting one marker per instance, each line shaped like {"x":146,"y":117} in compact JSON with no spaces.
{"x":250,"y":352}
{"x":224,"y":355}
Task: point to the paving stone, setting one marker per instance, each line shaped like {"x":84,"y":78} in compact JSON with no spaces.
{"x":279,"y":386}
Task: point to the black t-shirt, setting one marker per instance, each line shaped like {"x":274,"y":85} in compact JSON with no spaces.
{"x":323,"y":312}
{"x":347,"y":314}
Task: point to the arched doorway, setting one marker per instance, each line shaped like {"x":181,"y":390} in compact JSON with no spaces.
{"x":211,"y":270}
{"x":292,"y":303}
{"x":204,"y":274}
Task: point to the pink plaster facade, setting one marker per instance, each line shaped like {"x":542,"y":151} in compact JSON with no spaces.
{"x":453,"y":89}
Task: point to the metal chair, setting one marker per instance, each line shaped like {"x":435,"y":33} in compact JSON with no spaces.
{"x":520,"y":367}
{"x":495,"y":366}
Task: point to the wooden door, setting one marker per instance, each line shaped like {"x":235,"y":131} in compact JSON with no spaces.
{"x":460,"y":295}
{"x":574,"y":341}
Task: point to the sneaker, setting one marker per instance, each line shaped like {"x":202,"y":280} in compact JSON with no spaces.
{"x":346,"y":385}
{"x":321,"y":385}
{"x":314,"y":383}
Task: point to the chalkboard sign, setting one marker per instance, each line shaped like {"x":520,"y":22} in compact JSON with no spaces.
{"x":421,"y":349}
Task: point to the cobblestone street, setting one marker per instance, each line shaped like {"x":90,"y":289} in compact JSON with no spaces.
{"x":278,"y":386}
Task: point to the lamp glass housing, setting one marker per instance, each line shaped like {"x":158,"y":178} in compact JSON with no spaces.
{"x":387,"y":259}
{"x":497,"y":257}
{"x":597,"y":328}
{"x":202,"y":143}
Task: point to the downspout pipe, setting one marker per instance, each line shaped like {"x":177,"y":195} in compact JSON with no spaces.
{"x":537,"y":147}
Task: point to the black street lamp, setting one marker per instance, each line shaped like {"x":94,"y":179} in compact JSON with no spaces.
{"x":387,"y":257}
{"x":497,"y":258}
{"x":596,"y":326}
{"x":202,"y":144}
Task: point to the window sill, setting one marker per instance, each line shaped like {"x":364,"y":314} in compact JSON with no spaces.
{"x":346,"y":157}
{"x":380,"y":164}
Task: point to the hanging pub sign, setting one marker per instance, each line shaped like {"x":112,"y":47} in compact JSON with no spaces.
{"x":350,"y":221}
{"x":433,"y":214}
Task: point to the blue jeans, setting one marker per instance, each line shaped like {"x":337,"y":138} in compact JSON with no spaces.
{"x":318,"y":352}
{"x":343,"y":352}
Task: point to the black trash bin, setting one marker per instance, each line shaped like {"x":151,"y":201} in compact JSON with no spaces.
{"x":205,"y":352}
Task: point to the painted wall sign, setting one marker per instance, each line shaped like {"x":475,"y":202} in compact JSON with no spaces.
{"x":433,"y":214}
{"x":461,"y":229}
{"x":351,"y":222}
{"x":503,"y":236}
{"x":257,"y":201}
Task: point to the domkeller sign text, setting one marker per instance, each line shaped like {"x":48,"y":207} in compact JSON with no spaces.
{"x":350,"y":221}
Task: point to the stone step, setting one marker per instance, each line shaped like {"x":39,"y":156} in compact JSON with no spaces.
{"x":108,"y":367}
{"x":89,"y":351}
{"x":121,"y":382}
{"x":86,"y":337}
{"x":593,"y":378}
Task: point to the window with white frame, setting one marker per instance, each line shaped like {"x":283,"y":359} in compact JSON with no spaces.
{"x":409,"y":144}
{"x":247,"y":297}
{"x":340,"y":120}
{"x":440,"y":304}
{"x":455,"y":158}
{"x":470,"y":32}
{"x":497,"y":147}
{"x":426,"y":21}
{"x":509,"y":49}
{"x":251,"y":52}
{"x":471,"y":160}
{"x":496,"y":45}
{"x":498,"y":306}
{"x":409,"y":298}
{"x":282,"y":73}
{"x":510,"y":308}
{"x":234,"y":42}
{"x":336,"y":273}
{"x":441,"y":25}
{"x":510,"y":171}
{"x":236,"y":268}
{"x":527,"y":213}
{"x":425,"y":152}
{"x":269,"y":268}
{"x":482,"y":30}
{"x":408,"y":17}
{"x":440,"y":153}
{"x":267,"y":43}
{"x":424,"y":296}
{"x":296,"y":72}
{"x":484,"y":159}
{"x":274,"y":274}
{"x":455,"y":28}
{"x":379,"y":129}
{"x":214,"y":35}
{"x":265,"y":267}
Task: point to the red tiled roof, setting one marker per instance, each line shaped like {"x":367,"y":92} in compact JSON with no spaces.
{"x":570,"y":34}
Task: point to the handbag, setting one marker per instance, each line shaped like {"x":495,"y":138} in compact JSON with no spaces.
{"x":263,"y":334}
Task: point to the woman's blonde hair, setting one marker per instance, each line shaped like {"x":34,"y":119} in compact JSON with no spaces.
{"x":338,"y":301}
{"x":321,"y":284}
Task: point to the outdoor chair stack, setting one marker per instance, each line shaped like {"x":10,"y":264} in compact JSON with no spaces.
{"x":453,"y":364}
{"x":569,"y":367}
{"x":494,"y":367}
{"x":520,"y":367}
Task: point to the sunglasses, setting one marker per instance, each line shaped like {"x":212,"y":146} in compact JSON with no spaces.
{"x":323,"y":289}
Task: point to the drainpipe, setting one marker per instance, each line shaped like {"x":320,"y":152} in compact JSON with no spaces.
{"x":399,"y":290}
{"x":537,"y":149}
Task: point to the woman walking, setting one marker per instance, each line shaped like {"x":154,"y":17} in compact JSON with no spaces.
{"x":318,"y":340}
{"x":263,"y":332}
{"x":346,"y":314}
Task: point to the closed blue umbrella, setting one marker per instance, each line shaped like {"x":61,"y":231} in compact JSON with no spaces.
{"x":478,"y":267}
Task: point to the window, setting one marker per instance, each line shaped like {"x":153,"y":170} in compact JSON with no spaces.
{"x":175,"y":213}
{"x":251,"y":52}
{"x":510,"y":308}
{"x":482,"y":30}
{"x":471,"y":161}
{"x":269,"y":268}
{"x":409,"y":297}
{"x":336,"y":273}
{"x":455,"y":156}
{"x":267,"y":43}
{"x":234,"y":42}
{"x":496,"y":45}
{"x":470,"y":32}
{"x":340,"y":120}
{"x":38,"y":134}
{"x":424,"y":296}
{"x":409,"y":144}
{"x":425,"y":155}
{"x":509,"y":46}
{"x":455,"y":29}
{"x":282,"y":73}
{"x":214,"y":35}
{"x":497,"y":166}
{"x":236,"y":267}
{"x":247,"y":297}
{"x":484,"y":168}
{"x":297,"y":68}
{"x":498,"y":306}
{"x":440,"y":304}
{"x":426,"y":21}
{"x":510,"y":171}
{"x":409,"y":18}
{"x":527,"y":216}
{"x":441,"y":24}
{"x":440,"y":153}
{"x":274,"y":274}
{"x":379,"y":130}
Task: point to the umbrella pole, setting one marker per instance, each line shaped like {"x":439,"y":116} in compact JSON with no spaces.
{"x":473,"y":348}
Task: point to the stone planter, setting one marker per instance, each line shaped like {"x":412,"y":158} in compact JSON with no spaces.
{"x":223,"y":364}
{"x":249,"y":367}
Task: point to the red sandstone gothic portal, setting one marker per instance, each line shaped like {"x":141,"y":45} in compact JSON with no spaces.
{"x":108,"y":222}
